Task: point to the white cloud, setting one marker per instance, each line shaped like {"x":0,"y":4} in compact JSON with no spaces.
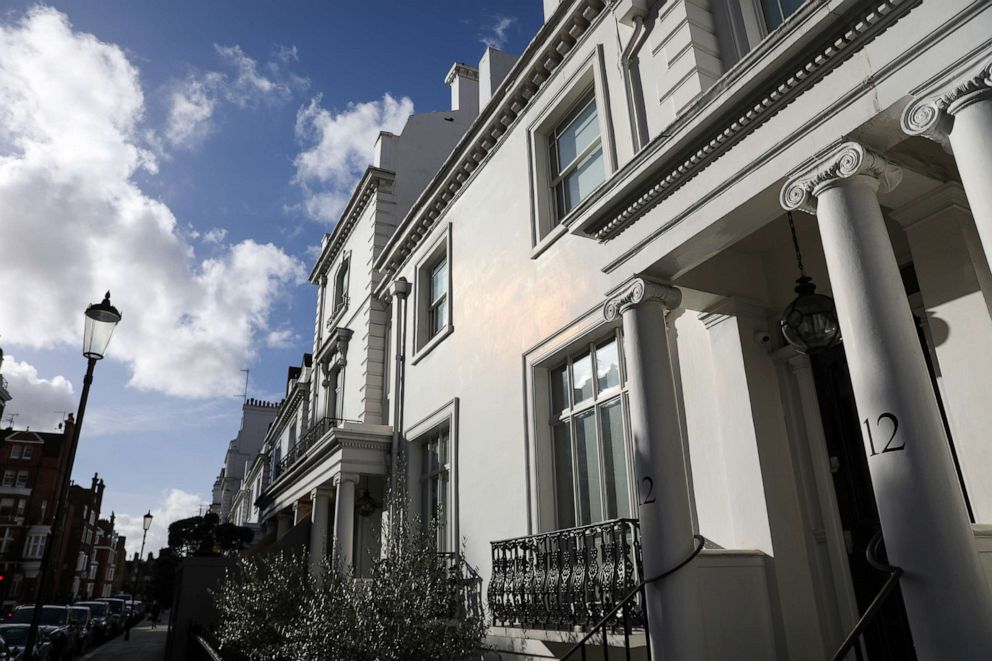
{"x":338,"y":147}
{"x":281,"y":339}
{"x":77,"y":224}
{"x":215,"y":235}
{"x":39,"y":403}
{"x":176,"y":504}
{"x":193,"y":102}
{"x":495,"y":35}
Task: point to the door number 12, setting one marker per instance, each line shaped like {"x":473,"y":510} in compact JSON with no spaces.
{"x":891,"y":445}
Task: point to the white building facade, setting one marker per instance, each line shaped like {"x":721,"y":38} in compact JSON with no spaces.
{"x":559,"y":303}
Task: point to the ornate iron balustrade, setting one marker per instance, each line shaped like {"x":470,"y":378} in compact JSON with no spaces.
{"x":303,"y":445}
{"x":567,"y":578}
{"x":466,"y":584}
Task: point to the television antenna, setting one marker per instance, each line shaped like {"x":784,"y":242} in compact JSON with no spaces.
{"x":10,"y":419}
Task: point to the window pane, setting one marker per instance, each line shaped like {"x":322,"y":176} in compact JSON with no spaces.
{"x":559,"y":391}
{"x":615,"y":460}
{"x":587,"y":453}
{"x":776,"y":11}
{"x":582,"y":378}
{"x":577,"y":136}
{"x":439,"y":280}
{"x":607,"y":365}
{"x":584,"y":179}
{"x":564,"y":495}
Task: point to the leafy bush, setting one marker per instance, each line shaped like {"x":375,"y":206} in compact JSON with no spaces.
{"x":412,"y":607}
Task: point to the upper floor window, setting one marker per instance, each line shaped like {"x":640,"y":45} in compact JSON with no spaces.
{"x":6,"y":539}
{"x":9,"y":477}
{"x":742,"y":24}
{"x":576,"y":150}
{"x":15,"y":451}
{"x":22,"y":479}
{"x":588,"y":435}
{"x":35,"y":547}
{"x":27,"y":452}
{"x":341,"y":287}
{"x":433,"y":296}
{"x":437,"y":303}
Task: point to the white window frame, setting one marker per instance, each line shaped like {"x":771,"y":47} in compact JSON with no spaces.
{"x":15,"y":451}
{"x":34,"y":546}
{"x":22,"y":479}
{"x":562,"y":102}
{"x":27,"y":453}
{"x":341,"y":283}
{"x":9,"y":477}
{"x":6,"y":540}
{"x":424,"y":341}
{"x":444,"y":418}
{"x":539,"y":361}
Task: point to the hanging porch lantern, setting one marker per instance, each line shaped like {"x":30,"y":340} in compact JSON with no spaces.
{"x":809,"y":323}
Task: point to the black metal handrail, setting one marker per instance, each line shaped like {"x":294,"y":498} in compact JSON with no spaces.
{"x":309,"y":438}
{"x":564,"y":578}
{"x":626,"y":604}
{"x":895,"y":573}
{"x":468,"y":600}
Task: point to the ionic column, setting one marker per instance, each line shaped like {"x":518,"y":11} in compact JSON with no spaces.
{"x":284,"y":521}
{"x":344,"y":519}
{"x":922,"y":512}
{"x":958,"y":113}
{"x":661,"y":468}
{"x":320,"y":511}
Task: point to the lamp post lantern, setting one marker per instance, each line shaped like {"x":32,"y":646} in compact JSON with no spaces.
{"x":100,"y":321}
{"x":146,"y":522}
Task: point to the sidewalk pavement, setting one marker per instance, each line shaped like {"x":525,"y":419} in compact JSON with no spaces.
{"x":146,"y":644}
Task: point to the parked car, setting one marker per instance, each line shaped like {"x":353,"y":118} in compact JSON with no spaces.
{"x":16,"y":635}
{"x":53,"y":627}
{"x":100,"y":624}
{"x":118,"y":612}
{"x":83,"y":619}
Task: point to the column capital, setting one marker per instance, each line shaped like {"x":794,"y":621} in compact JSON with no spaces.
{"x":638,"y":290}
{"x":930,"y":112}
{"x":841,"y":161}
{"x":323,"y":491}
{"x":345,"y":477}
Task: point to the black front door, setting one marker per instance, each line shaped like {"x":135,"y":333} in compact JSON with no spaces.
{"x":889,"y":637}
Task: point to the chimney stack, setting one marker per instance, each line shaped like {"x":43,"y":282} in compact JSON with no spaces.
{"x":464,"y":83}
{"x":493,"y":67}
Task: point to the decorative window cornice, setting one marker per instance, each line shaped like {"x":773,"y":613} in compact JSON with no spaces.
{"x":785,"y":85}
{"x":553,"y":43}
{"x":372,"y":181}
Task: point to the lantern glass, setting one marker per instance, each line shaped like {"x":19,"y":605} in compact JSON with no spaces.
{"x":101,"y":320}
{"x":809,"y":323}
{"x":148,"y":520}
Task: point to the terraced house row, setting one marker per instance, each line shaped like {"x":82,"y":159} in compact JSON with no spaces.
{"x":683,"y":274}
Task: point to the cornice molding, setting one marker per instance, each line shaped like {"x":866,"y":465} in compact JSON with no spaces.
{"x":638,"y":290}
{"x":372,"y":181}
{"x":930,"y":113}
{"x":832,"y":165}
{"x":463,"y":70}
{"x":783,"y":87}
{"x":556,"y":39}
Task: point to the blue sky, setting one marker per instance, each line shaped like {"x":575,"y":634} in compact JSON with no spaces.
{"x":189,"y":156}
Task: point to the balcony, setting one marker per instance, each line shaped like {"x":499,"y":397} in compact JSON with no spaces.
{"x":309,"y":438}
{"x":566,"y":579}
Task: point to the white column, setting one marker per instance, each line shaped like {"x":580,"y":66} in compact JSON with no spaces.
{"x":940,"y":233}
{"x":661,"y":470}
{"x":922,"y":512}
{"x":958,"y":112}
{"x":344,"y":519}
{"x":320,"y":511}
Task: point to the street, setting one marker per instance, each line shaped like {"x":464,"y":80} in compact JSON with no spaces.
{"x":146,"y":644}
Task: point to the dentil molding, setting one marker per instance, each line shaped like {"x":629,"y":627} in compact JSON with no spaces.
{"x":841,"y":161}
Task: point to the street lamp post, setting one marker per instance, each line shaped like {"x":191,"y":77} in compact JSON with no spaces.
{"x":100,"y":321}
{"x":147,"y":523}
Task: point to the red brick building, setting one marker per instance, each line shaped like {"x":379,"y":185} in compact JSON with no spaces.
{"x":31,"y":468}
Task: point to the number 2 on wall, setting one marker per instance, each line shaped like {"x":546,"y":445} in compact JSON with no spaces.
{"x":648,"y":490}
{"x":889,"y":447}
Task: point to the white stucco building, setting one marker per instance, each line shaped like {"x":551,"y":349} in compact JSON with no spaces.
{"x":256,"y":416}
{"x":560,"y":303}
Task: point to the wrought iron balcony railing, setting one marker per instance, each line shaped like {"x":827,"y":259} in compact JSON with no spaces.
{"x":566,"y":578}
{"x":306,"y":441}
